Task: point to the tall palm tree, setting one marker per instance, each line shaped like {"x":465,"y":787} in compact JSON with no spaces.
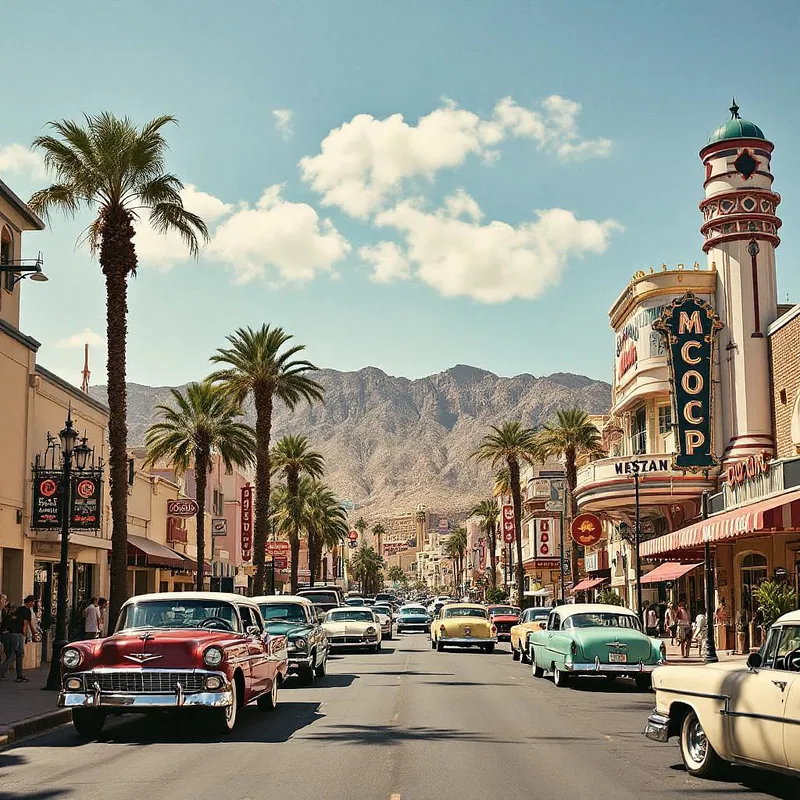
{"x":293,"y":456}
{"x":201,"y":425}
{"x":367,"y":566}
{"x":571,"y":436}
{"x":257,"y":364}
{"x":509,"y":445}
{"x":379,"y":531}
{"x":326,"y":525}
{"x":455,"y":548}
{"x":488,"y":511}
{"x":117,"y":170}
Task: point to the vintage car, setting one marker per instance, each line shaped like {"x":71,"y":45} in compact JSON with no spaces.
{"x":532,"y":619}
{"x":353,"y":627}
{"x":323,"y":597}
{"x":185,"y":650}
{"x":594,"y":639}
{"x":385,"y":619}
{"x":297,"y":619}
{"x":413,"y":617}
{"x":463,"y":625}
{"x":504,"y":618}
{"x":735,"y":712}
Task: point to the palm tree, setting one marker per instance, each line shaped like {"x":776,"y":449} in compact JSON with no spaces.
{"x":502,"y":483}
{"x":572,"y":436}
{"x":367,"y":567}
{"x":378,"y":531}
{"x":488,"y":511}
{"x":201,"y":425}
{"x":258,"y":365}
{"x":455,"y":548}
{"x":396,"y":575}
{"x":293,"y":456}
{"x":326,"y":525}
{"x":508,"y":445}
{"x":116,"y":169}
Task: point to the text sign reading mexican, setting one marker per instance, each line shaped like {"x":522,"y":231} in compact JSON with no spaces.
{"x":84,"y":513}
{"x":47,"y":501}
{"x":508,"y":523}
{"x":247,"y":523}
{"x":689,"y":326}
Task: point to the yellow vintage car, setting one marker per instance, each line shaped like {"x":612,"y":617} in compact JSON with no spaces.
{"x":532,"y":619}
{"x":463,"y":625}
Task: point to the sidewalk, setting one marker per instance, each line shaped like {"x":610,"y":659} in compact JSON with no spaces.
{"x":674,"y":655}
{"x":25,"y":708}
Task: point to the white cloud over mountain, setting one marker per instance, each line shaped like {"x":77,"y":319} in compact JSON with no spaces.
{"x":365,"y":162}
{"x":451,"y":250}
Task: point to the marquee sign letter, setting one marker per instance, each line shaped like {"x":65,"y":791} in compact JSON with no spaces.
{"x":689,"y":327}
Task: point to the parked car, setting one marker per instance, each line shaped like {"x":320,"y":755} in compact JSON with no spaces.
{"x":298,"y":619}
{"x":324,"y":597}
{"x":413,"y":617}
{"x":594,"y":639}
{"x":463,"y":625}
{"x":183,"y":650}
{"x":352,"y":627}
{"x":734,"y":712}
{"x":503,"y":618}
{"x":532,"y":619}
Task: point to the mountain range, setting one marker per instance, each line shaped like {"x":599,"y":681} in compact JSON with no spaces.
{"x":391,"y":444}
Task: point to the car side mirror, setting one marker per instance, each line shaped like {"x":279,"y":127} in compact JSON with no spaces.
{"x":754,"y":661}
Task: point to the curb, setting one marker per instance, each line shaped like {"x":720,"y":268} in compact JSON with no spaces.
{"x":31,"y":725}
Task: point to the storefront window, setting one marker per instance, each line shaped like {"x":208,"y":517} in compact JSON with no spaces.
{"x":754,"y":573}
{"x":664,"y":419}
{"x":639,"y":431}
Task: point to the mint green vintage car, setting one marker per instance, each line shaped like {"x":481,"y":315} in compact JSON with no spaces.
{"x":594,"y":639}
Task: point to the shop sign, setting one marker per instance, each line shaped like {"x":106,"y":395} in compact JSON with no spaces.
{"x":541,"y":489}
{"x":352,"y":544}
{"x":47,"y":512}
{"x":749,"y":468}
{"x":586,"y":529}
{"x":353,"y":536}
{"x":636,"y":338}
{"x":247,"y":523}
{"x":219,"y":526}
{"x":182,"y":508}
{"x":85,"y":505}
{"x":277,"y":548}
{"x":507,"y":517}
{"x":640,"y":465}
{"x":280,"y":562}
{"x":544,"y":530}
{"x":689,"y":327}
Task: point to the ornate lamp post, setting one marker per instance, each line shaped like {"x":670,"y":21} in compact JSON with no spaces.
{"x":68,"y":437}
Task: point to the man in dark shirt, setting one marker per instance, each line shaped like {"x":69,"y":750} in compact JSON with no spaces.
{"x":20,"y":628}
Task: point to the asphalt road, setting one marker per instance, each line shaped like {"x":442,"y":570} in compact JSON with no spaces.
{"x":405,"y":724}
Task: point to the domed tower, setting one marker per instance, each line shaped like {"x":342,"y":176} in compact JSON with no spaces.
{"x":740,"y":228}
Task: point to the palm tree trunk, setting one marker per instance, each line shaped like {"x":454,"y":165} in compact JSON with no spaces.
{"x":118,"y":260}
{"x":294,"y":546}
{"x":293,"y":490}
{"x":516,"y":499}
{"x":263,"y":406}
{"x":571,"y":468}
{"x":200,"y":482}
{"x":492,"y":536}
{"x":312,"y":557}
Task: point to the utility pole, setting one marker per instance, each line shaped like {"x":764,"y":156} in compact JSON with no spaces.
{"x":637,"y":538}
{"x":711,"y":648}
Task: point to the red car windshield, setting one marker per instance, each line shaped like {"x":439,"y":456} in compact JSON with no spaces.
{"x":167,"y":614}
{"x":504,"y":611}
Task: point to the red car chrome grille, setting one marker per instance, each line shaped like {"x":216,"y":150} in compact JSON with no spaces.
{"x":145,"y":681}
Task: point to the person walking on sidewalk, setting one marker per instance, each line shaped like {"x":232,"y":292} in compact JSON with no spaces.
{"x":684,"y":628}
{"x":700,"y":629}
{"x":102,"y":607}
{"x":91,"y":620}
{"x":21,"y":630}
{"x":651,"y":621}
{"x":670,"y":623}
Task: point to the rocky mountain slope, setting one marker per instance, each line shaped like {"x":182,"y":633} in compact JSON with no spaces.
{"x":391,"y":444}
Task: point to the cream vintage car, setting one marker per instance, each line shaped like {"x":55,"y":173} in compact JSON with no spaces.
{"x":735,"y":712}
{"x":463,"y":625}
{"x":353,"y":627}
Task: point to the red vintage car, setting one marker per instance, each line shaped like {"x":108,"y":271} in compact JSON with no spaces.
{"x":184,"y":650}
{"x":504,"y":618}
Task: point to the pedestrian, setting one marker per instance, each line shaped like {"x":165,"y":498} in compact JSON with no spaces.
{"x":5,"y":628}
{"x":700,"y":629}
{"x":651,"y":621}
{"x":91,"y":620}
{"x":102,"y":607}
{"x":20,"y":631}
{"x":670,"y":623}
{"x":684,"y":628}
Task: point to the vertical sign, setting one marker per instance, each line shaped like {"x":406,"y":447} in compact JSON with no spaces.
{"x":545,"y":541}
{"x":48,"y":502}
{"x":508,"y":523}
{"x":247,"y":522}
{"x":84,"y":513}
{"x":689,"y":326}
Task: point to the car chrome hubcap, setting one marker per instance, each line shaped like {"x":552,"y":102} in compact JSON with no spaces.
{"x":696,"y":742}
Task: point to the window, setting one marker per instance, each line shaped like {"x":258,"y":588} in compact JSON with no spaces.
{"x":639,"y":431}
{"x":554,"y":622}
{"x":664,"y":420}
{"x":5,"y":258}
{"x":249,"y":618}
{"x":770,"y":646}
{"x":218,"y":502}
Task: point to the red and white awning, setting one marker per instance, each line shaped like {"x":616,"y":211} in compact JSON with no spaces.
{"x":589,"y":583}
{"x":669,"y":571}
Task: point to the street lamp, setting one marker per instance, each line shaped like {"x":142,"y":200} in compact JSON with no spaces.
{"x":711,"y":648}
{"x":68,"y":437}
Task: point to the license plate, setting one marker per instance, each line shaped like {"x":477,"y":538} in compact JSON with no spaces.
{"x":617,"y":658}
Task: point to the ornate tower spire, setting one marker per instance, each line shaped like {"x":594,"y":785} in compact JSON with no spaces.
{"x":85,"y":373}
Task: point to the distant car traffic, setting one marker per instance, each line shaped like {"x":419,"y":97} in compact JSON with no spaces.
{"x":532,"y":619}
{"x":463,"y":625}
{"x":296,"y":618}
{"x":504,"y":617}
{"x":413,"y":617}
{"x":353,"y":627}
{"x":324,"y":597}
{"x":202,"y":651}
{"x":594,"y":639}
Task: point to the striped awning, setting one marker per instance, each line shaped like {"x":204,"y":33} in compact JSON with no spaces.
{"x":669,"y":571}
{"x":589,"y":583}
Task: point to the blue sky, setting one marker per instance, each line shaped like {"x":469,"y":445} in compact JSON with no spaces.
{"x":476,"y":229}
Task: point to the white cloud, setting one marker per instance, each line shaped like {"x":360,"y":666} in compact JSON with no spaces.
{"x":388,"y":262}
{"x":492,"y":262}
{"x":18,"y":159}
{"x":283,"y":121}
{"x":288,"y":237}
{"x":86,"y":336}
{"x":365,"y":161}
